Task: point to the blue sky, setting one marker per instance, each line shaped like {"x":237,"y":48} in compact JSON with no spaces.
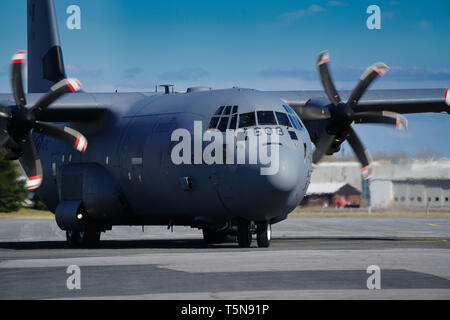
{"x":267,"y":45}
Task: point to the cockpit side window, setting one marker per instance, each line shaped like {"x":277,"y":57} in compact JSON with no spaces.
{"x":222,"y":116}
{"x":293,"y":117}
{"x":213,"y":123}
{"x":223,"y":124}
{"x":266,"y":118}
{"x":219,"y":111}
{"x":283,"y":119}
{"x":233,"y":122}
{"x":227,"y":110}
{"x":247,"y":120}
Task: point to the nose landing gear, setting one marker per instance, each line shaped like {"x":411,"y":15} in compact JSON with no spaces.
{"x":246,"y":229}
{"x":263,"y":234}
{"x":88,"y":238}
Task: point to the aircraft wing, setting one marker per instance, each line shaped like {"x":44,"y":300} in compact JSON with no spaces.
{"x":406,"y":101}
{"x":401,"y":101}
{"x":340,"y":110}
{"x":83,"y":107}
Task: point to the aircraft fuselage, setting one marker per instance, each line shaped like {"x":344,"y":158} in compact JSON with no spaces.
{"x":134,"y":146}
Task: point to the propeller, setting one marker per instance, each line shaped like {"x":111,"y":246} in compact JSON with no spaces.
{"x":341,"y":115}
{"x":17,"y":122}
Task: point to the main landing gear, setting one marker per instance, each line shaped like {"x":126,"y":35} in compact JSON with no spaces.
{"x":89,"y":238}
{"x":246,"y":229}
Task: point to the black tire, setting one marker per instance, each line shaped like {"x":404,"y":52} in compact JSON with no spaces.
{"x":244,"y":235}
{"x":209,"y":236}
{"x":89,"y":238}
{"x":72,"y":238}
{"x":263,"y":234}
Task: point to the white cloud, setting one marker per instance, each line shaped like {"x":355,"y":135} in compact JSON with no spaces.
{"x":336,"y":4}
{"x":423,"y":25}
{"x":184,"y":74}
{"x":76,"y":71}
{"x":294,"y":15}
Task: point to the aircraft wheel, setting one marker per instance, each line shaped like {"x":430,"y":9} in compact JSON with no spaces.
{"x":263,"y":234}
{"x":209,"y":236}
{"x":71,"y":239}
{"x":244,"y":234}
{"x":89,"y":238}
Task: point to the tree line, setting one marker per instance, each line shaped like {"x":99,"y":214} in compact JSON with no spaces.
{"x":12,"y":189}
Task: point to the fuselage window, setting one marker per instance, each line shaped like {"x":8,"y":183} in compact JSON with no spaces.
{"x":223,"y":124}
{"x":283,"y":119}
{"x":219,"y":111}
{"x":233,"y":122}
{"x":227,"y":110}
{"x":293,"y":135}
{"x":235,"y":109}
{"x":213,"y":123}
{"x":247,"y":120}
{"x":266,"y":118}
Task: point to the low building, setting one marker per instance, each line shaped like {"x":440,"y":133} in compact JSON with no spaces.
{"x":334,"y":194}
{"x":394,"y":184}
{"x":416,"y":184}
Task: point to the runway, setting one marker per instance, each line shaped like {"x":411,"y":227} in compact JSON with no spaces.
{"x":310,"y":258}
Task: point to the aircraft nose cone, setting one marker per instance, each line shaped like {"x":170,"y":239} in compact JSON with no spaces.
{"x":286,"y":178}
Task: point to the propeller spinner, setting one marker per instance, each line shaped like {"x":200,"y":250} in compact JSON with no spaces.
{"x":17,"y":122}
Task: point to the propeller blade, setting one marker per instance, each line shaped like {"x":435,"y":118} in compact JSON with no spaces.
{"x":5,"y":112}
{"x":76,"y":139}
{"x":4,"y":136}
{"x":378,"y":69}
{"x":361,"y":153}
{"x":58,"y":90}
{"x":16,"y":78}
{"x":325,"y":77}
{"x":31,"y":163}
{"x":384,"y":117}
{"x":322,"y":146}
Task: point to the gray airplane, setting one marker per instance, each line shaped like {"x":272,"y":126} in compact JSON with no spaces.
{"x":126,"y":176}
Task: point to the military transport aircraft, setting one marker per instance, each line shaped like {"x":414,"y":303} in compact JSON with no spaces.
{"x":126,"y":177}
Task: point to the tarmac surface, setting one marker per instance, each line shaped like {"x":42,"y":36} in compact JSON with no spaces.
{"x":310,"y":258}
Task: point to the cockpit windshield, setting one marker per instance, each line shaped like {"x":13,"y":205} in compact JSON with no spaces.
{"x":247,"y":120}
{"x":266,"y":118}
{"x":227,"y":117}
{"x":283,"y":119}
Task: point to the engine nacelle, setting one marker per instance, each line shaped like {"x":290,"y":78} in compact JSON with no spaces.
{"x":91,"y":188}
{"x":68,"y":215}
